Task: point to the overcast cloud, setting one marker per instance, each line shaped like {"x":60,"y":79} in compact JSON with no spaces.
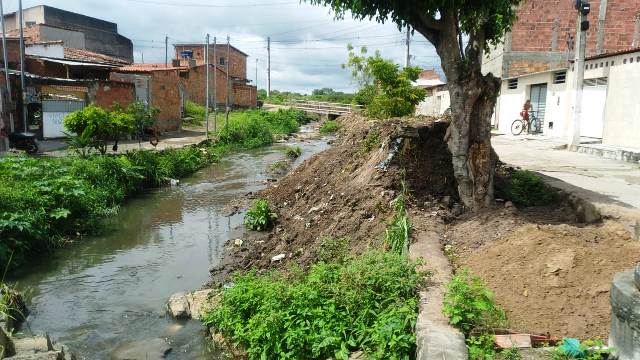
{"x":308,"y":45}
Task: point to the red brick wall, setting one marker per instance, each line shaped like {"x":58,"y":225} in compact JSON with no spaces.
{"x":165,"y":95}
{"x":13,"y":53}
{"x":244,"y":95}
{"x":533,"y":31}
{"x":110,"y":92}
{"x":237,"y":66}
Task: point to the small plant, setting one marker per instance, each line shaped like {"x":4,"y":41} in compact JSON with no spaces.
{"x":371,"y":142}
{"x":194,"y":112}
{"x":329,"y":127}
{"x":470,"y":305}
{"x":481,"y":347}
{"x":333,"y":250}
{"x":293,"y":152}
{"x":278,"y":166}
{"x":260,"y":217}
{"x":510,"y":354}
{"x":398,"y":233}
{"x":528,"y":189}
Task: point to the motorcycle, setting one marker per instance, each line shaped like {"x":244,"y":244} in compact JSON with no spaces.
{"x":24,"y":141}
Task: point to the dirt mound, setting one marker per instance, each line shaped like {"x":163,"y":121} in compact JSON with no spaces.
{"x":346,"y":191}
{"x":549,"y":276}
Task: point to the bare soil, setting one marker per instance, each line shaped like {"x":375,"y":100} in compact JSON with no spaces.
{"x":549,"y":272}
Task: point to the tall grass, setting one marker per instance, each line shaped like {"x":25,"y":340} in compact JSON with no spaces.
{"x":398,"y":233}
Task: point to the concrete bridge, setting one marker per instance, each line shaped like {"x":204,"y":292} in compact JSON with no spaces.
{"x":331,"y":110}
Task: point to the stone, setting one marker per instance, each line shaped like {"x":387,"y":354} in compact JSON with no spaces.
{"x":154,"y":349}
{"x":625,"y":316}
{"x":197,"y":302}
{"x":49,"y":355}
{"x":66,"y":352}
{"x":278,"y":258}
{"x":7,"y":344}
{"x":509,"y":205}
{"x":33,"y":345}
{"x":178,"y":306}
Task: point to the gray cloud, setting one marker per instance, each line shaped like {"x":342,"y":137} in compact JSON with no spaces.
{"x":308,"y":45}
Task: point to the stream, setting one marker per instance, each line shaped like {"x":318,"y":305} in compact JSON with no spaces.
{"x":107,"y":290}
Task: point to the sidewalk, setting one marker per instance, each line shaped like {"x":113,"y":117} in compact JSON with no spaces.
{"x":612,"y":186}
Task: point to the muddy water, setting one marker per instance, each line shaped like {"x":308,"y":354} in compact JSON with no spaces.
{"x":107,"y":290}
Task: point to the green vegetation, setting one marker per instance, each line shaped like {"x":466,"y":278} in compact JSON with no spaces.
{"x":293,"y":152}
{"x":398,"y":233}
{"x":260,"y":217}
{"x":367,"y":303}
{"x":469,"y":305}
{"x":329,"y":127}
{"x":586,"y":350}
{"x":386,"y":91}
{"x":481,"y":347}
{"x":528,"y":189}
{"x":195,"y":112}
{"x":324,"y":95}
{"x":278,"y":166}
{"x":45,"y":201}
{"x":371,"y":142}
{"x":510,"y":354}
{"x":333,"y":250}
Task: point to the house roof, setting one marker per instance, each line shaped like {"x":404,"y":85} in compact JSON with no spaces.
{"x":71,"y":62}
{"x":90,"y":56}
{"x":133,"y":68}
{"x":428,"y":79}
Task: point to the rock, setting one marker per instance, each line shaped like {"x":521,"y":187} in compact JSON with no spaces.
{"x":278,"y":257}
{"x":509,"y":205}
{"x":457,"y":210}
{"x":358,"y":355}
{"x":66,"y":352}
{"x":625,"y":316}
{"x":33,"y":345}
{"x":178,"y":306}
{"x":561,"y":261}
{"x":7,"y":344}
{"x":49,"y":355}
{"x":197,"y":302}
{"x":142,"y":349}
{"x":238,"y":242}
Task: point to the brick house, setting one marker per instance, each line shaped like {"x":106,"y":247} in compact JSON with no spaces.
{"x":535,"y":63}
{"x":159,"y":86}
{"x":437,"y":100}
{"x":241,"y":94}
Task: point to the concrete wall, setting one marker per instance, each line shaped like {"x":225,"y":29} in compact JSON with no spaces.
{"x":436,"y":102}
{"x":63,"y":18}
{"x":70,"y":38}
{"x":46,"y":50}
{"x":34,"y":14}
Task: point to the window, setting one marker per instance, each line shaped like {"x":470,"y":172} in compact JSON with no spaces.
{"x":624,"y":61}
{"x":221,"y":61}
{"x":513,"y":84}
{"x":591,"y":66}
{"x":30,"y":23}
{"x":638,"y":59}
{"x":613,"y":62}
{"x":606,"y":64}
{"x":602,"y":64}
{"x":631,"y":61}
{"x":560,"y":77}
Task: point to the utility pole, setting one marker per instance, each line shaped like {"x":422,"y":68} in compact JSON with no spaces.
{"x":6,"y":68}
{"x":206,"y":86}
{"x":268,"y":66}
{"x":215,"y":86}
{"x":407,"y":60}
{"x":226,"y":116}
{"x":256,"y":74}
{"x":166,"y":51}
{"x":582,"y":25}
{"x":22,"y":80}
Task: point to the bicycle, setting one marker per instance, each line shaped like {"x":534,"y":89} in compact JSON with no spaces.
{"x":520,"y":125}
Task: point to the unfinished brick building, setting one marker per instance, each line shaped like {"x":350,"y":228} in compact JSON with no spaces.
{"x":543,"y":37}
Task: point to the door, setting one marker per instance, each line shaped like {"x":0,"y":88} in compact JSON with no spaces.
{"x":594,"y":98}
{"x":53,"y":114}
{"x":539,"y":105}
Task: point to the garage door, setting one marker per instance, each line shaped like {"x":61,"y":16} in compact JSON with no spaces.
{"x":594,"y":98}
{"x":53,"y":114}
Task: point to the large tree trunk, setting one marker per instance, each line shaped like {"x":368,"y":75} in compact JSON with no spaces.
{"x":472,"y":104}
{"x":473,"y":98}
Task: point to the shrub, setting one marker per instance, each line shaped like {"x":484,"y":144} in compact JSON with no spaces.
{"x":196,"y":112}
{"x":329,"y":127}
{"x":368,"y":303}
{"x":481,"y":347}
{"x":95,"y":127}
{"x":246,"y":131}
{"x":260,"y":217}
{"x":333,"y":250}
{"x":470,"y":305}
{"x":293,"y":152}
{"x":528,"y":189}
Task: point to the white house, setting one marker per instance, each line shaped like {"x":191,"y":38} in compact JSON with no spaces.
{"x":610,"y":106}
{"x":437,"y":100}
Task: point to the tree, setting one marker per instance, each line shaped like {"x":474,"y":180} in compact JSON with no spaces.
{"x":447,"y":24}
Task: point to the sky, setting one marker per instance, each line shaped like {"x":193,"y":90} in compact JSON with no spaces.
{"x":308,"y":44}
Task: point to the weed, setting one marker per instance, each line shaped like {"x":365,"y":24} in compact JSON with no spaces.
{"x":586,"y":350}
{"x":368,"y":303}
{"x":481,"y":347}
{"x":398,"y":233}
{"x":293,"y":152}
{"x":195,"y":112}
{"x":278,"y":166}
{"x":510,"y":354}
{"x":260,"y":217}
{"x":333,"y":250}
{"x":528,"y":189}
{"x":470,"y":305}
{"x":329,"y":127}
{"x":371,"y":142}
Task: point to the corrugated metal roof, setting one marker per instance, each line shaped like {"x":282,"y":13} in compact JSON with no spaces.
{"x":72,"y":63}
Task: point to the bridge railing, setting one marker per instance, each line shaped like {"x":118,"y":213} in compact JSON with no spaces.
{"x":322,"y":107}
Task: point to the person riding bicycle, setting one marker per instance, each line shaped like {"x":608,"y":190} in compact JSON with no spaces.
{"x":525,"y":110}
